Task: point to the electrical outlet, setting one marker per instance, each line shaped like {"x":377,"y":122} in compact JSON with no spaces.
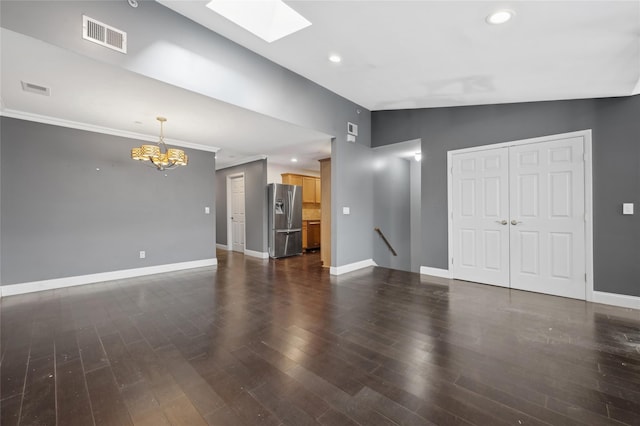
{"x":143,"y":254}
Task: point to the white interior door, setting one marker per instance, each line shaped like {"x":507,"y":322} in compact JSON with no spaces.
{"x":548,"y":217}
{"x":518,"y":216}
{"x":480,"y":216}
{"x":237,"y":214}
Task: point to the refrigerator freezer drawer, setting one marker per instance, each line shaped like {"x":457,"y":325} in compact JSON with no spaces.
{"x":286,"y":243}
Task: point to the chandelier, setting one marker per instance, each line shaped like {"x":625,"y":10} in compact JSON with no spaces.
{"x":161,"y":157}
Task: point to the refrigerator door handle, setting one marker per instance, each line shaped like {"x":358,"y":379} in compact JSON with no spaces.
{"x":288,"y":231}
{"x":290,"y":208}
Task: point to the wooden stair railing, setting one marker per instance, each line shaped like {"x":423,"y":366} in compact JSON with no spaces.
{"x":385,"y":240}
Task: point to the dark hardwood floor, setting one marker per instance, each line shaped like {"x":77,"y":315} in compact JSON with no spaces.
{"x":281,"y":342}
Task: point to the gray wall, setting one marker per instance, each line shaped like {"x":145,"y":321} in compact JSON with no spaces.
{"x":392,"y":211}
{"x":61,"y":217}
{"x":616,"y":162}
{"x":616,"y":168}
{"x":206,"y":63}
{"x":351,"y":186}
{"x":255,"y":197}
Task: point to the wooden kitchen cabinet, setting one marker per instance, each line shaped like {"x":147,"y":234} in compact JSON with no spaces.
{"x":291,"y":179}
{"x":309,"y":190}
{"x":311,"y":187}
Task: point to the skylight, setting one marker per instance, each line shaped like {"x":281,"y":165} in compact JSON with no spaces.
{"x":268,"y":19}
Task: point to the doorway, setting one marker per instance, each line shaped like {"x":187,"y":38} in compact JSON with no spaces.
{"x":236,"y":212}
{"x":520,"y":215}
{"x":397,"y":204}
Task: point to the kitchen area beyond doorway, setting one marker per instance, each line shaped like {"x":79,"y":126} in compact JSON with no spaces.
{"x":311,"y":207}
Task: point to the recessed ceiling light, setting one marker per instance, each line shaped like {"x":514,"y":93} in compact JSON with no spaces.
{"x":294,"y":160}
{"x":500,"y":17}
{"x":268,"y":19}
{"x":336,"y":59}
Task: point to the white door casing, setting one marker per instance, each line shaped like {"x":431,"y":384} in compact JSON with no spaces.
{"x":549,"y":230}
{"x":480,"y":216}
{"x":237,"y":237}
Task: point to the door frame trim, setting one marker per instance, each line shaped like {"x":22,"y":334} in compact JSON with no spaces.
{"x":229,"y":210}
{"x":588,"y":194}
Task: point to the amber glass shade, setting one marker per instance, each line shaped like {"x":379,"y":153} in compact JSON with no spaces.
{"x":136,"y":154}
{"x":184,"y":161}
{"x":150,"y":151}
{"x":175,"y":154}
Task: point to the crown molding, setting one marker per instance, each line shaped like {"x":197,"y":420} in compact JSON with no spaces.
{"x":28,"y":116}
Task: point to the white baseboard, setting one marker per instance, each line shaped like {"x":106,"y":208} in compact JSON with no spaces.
{"x":30,"y":287}
{"x":436,"y":272}
{"x":222,"y":246}
{"x":339,"y":270}
{"x":621,"y":300}
{"x":258,"y":254}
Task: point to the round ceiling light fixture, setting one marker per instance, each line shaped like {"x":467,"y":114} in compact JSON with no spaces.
{"x":500,"y":17}
{"x":336,"y":59}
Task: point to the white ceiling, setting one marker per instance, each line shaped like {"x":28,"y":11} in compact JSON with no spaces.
{"x":419,"y":54}
{"x":396,"y":54}
{"x":113,"y":98}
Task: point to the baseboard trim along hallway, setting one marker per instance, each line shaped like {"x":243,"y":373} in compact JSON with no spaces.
{"x":30,"y":287}
{"x":258,"y":254}
{"x":621,"y":300}
{"x":436,"y":272}
{"x":350,"y":267}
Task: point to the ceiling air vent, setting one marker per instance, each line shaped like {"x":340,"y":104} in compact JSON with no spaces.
{"x":103,"y":34}
{"x":34,"y":88}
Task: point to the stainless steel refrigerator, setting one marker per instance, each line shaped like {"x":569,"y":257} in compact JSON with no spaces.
{"x":285,"y":220}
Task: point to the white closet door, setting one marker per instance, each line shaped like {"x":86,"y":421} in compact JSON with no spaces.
{"x":480,"y":216}
{"x":547,"y":223}
{"x":238,"y":214}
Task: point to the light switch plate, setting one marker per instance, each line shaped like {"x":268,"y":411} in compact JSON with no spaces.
{"x":346,"y":210}
{"x":627,"y":208}
{"x":206,"y":210}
